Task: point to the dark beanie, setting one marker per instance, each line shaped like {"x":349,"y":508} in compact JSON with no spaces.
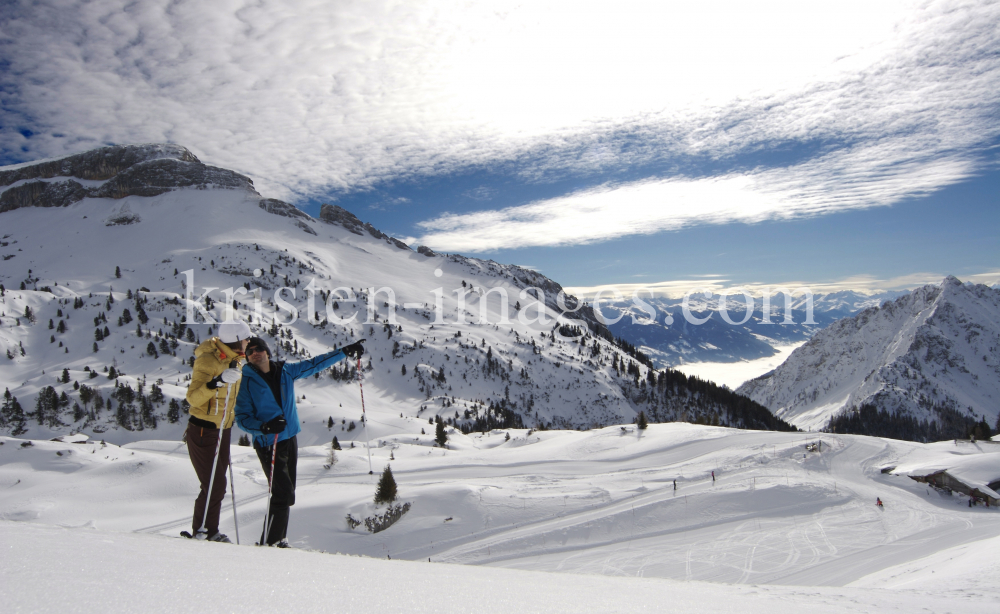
{"x":257,"y":342}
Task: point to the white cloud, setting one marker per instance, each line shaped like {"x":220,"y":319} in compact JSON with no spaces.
{"x":305,"y":96}
{"x":854,"y":179}
{"x":916,"y":118}
{"x":864,"y":284}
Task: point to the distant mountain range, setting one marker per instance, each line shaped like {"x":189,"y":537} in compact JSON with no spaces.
{"x":670,"y":339}
{"x":925,"y":365}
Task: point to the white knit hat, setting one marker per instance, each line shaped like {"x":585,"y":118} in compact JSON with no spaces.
{"x":233,"y":331}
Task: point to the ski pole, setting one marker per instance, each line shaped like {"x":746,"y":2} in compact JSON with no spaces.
{"x":232,"y":490}
{"x":368,"y":440}
{"x":218,"y":445}
{"x":270,"y":482}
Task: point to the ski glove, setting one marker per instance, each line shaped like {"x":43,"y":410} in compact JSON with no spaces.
{"x":276,"y":425}
{"x":229,"y":376}
{"x":355,"y":350}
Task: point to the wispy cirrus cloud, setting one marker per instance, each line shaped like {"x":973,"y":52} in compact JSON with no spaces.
{"x":310,"y":96}
{"x":922,"y":116}
{"x":864,"y":284}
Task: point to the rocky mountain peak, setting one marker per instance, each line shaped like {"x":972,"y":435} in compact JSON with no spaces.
{"x":112,"y":172}
{"x":929,"y":359}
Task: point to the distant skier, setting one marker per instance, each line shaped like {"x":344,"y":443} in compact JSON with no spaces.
{"x":213,"y":382}
{"x":675,"y":484}
{"x":878,"y":502}
{"x":265,"y":407}
{"x":713,"y":476}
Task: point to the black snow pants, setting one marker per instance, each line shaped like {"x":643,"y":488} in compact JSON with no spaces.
{"x":282,"y":486}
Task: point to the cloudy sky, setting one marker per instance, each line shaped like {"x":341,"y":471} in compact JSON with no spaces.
{"x":831,"y":143}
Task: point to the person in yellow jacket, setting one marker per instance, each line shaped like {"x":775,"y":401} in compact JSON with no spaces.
{"x":215,"y":381}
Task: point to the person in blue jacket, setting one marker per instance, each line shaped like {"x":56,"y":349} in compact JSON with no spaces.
{"x":265,"y":408}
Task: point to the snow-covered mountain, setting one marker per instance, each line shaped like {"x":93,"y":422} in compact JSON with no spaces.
{"x":931,"y":356}
{"x":659,"y":328}
{"x":114,"y":258}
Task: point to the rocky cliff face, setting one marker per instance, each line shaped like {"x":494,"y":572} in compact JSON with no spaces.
{"x":932,"y":355}
{"x":113,"y":172}
{"x":98,"y":164}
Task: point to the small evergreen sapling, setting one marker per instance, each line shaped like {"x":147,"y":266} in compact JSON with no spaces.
{"x":385,"y":492}
{"x":331,"y":457}
{"x":641,"y":423}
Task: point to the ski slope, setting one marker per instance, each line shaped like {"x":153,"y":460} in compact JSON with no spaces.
{"x":586,"y":504}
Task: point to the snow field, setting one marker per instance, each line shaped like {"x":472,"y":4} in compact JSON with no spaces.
{"x":598,"y":502}
{"x":81,"y":570}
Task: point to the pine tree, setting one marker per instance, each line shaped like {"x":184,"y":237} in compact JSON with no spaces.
{"x":174,"y":413}
{"x":47,"y":407}
{"x":385,"y":492}
{"x":335,"y":443}
{"x":118,"y":272}
{"x":440,"y":436}
{"x":12,"y":415}
{"x":641,"y":422}
{"x":244,"y":440}
{"x":65,"y":376}
{"x":5,"y":408}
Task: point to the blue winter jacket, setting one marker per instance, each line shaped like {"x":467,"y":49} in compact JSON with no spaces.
{"x":255,"y":404}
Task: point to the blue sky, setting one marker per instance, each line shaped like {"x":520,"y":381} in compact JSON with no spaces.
{"x":833,"y":144}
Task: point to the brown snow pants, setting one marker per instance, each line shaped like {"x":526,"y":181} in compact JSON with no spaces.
{"x":201,"y":444}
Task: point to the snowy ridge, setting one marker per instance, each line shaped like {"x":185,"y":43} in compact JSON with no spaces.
{"x":933,"y":354}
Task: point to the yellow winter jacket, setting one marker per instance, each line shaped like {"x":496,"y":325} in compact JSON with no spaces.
{"x":212,"y":357}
